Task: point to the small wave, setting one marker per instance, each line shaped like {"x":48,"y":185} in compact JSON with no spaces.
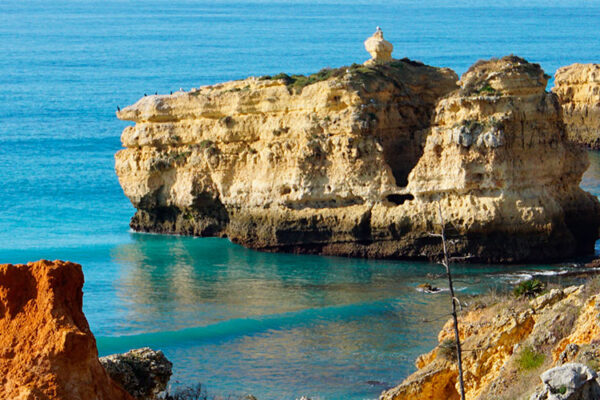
{"x":550,"y":273}
{"x":239,"y":327}
{"x":576,"y":271}
{"x":571,"y":270}
{"x":513,"y":278}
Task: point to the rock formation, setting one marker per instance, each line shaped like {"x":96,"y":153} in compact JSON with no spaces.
{"x":144,"y":373}
{"x":355,"y":161}
{"x":506,"y":346}
{"x":379,"y":48}
{"x":498,"y":159}
{"x":47,"y":350}
{"x":570,"y":381}
{"x":578,"y":90}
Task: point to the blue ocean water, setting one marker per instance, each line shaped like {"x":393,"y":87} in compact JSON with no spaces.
{"x":275,"y":325}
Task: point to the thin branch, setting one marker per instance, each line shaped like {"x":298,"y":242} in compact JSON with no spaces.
{"x":454,"y":300}
{"x":443,"y":316}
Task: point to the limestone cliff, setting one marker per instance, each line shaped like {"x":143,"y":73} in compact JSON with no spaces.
{"x":354,"y":161}
{"x":505,"y":347}
{"x":578,"y":89}
{"x":498,"y":159}
{"x":47,"y":350}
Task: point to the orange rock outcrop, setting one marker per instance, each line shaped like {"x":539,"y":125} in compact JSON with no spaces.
{"x":47,"y":350}
{"x":557,"y":327}
{"x":586,"y":330}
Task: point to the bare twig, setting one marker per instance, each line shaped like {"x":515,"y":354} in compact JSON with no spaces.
{"x":446,"y":264}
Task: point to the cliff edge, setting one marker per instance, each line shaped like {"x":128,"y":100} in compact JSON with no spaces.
{"x":578,"y":89}
{"x":354,"y":161}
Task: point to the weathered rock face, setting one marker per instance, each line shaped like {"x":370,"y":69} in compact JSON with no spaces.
{"x":144,"y":373}
{"x":357,"y":162}
{"x":578,"y":90}
{"x":275,"y":167}
{"x":494,"y":339}
{"x":498,"y":160}
{"x":47,"y":350}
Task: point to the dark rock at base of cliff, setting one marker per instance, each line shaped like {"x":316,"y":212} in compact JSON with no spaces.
{"x":209,"y":221}
{"x":143,"y":373}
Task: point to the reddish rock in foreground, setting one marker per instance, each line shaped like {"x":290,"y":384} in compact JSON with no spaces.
{"x":47,"y":350}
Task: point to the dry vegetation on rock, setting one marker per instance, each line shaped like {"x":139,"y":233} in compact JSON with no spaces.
{"x":508,"y":342}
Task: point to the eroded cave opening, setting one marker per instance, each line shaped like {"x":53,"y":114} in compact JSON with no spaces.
{"x":402,"y":151}
{"x":399,"y":199}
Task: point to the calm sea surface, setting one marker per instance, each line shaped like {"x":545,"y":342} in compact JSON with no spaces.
{"x":275,"y":325}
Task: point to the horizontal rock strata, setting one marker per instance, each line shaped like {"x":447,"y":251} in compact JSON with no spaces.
{"x":356,"y":161}
{"x":578,"y":90}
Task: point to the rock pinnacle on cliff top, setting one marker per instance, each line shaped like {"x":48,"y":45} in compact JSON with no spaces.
{"x":379,"y":48}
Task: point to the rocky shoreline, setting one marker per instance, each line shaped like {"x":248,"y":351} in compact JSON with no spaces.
{"x":515,"y":348}
{"x":356,"y":161}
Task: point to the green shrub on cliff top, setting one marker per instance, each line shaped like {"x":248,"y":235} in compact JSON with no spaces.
{"x":360,"y":72}
{"x":298,"y":82}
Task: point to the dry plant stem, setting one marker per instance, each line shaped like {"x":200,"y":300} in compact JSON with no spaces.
{"x":446,"y":264}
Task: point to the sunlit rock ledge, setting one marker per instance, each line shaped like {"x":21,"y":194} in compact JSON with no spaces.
{"x":354,"y":161}
{"x":578,"y":90}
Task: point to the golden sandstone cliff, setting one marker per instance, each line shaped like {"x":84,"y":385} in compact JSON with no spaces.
{"x":354,"y":161}
{"x":578,"y":89}
{"x":506,"y":344}
{"x":47,"y":350}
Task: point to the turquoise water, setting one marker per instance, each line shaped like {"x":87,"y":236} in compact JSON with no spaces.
{"x":275,"y":325}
